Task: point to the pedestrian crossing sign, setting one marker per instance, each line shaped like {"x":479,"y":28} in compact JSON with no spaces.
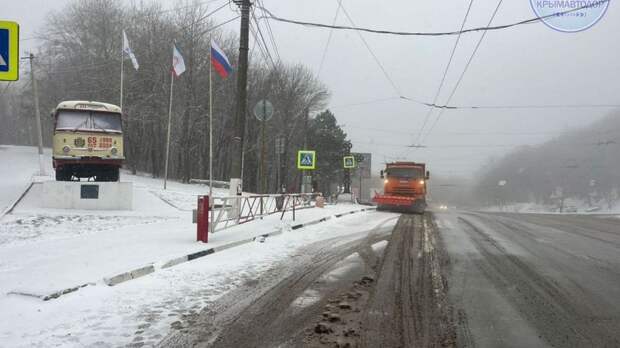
{"x":306,"y":159}
{"x":9,"y":51}
{"x":349,"y":162}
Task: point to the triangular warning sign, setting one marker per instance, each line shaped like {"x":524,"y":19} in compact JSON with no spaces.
{"x":2,"y":61}
{"x":306,"y":160}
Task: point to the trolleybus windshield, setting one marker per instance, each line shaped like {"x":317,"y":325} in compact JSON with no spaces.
{"x":89,"y":121}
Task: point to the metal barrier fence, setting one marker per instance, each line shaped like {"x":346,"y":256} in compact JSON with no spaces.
{"x":229,"y":211}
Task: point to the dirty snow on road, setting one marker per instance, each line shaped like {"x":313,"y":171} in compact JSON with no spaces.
{"x":142,"y":311}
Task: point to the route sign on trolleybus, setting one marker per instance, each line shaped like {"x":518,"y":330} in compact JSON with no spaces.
{"x":9,"y":51}
{"x":306,"y":159}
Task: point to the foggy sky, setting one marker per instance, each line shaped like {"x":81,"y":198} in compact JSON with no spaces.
{"x":529,"y":64}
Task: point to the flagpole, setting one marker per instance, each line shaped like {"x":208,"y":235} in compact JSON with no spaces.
{"x":211,"y":201}
{"x":168,"y":137}
{"x":122,"y":62}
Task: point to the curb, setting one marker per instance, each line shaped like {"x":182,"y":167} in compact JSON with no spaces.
{"x":133,"y":274}
{"x":12,"y":206}
{"x":142,"y":271}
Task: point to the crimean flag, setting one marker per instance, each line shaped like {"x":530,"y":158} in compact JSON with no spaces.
{"x":220,"y":61}
{"x":178,"y":64}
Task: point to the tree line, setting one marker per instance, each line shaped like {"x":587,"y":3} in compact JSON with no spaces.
{"x":79,"y":59}
{"x":581,"y":164}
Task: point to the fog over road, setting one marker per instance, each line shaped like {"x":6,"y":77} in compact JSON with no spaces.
{"x":450,"y":279}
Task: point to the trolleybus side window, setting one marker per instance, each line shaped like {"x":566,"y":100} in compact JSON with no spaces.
{"x":414,"y":172}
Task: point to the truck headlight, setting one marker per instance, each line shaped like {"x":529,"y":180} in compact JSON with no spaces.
{"x":66,"y":149}
{"x":386,"y":181}
{"x":421,"y":182}
{"x":114,"y":151}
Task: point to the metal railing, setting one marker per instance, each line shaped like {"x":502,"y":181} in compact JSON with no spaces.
{"x":229,"y":211}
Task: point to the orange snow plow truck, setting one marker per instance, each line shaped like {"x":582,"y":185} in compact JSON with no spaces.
{"x":404,"y":187}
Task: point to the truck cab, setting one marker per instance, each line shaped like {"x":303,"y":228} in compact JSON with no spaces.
{"x":404,"y":187}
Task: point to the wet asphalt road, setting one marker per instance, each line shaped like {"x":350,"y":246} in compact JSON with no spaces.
{"x":524,"y":280}
{"x":444,"y":279}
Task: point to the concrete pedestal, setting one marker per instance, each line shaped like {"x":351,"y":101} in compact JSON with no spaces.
{"x":87,"y":195}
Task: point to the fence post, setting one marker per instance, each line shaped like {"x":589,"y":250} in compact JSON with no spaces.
{"x":202,"y":223}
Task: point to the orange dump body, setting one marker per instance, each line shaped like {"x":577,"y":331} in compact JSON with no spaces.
{"x":404,"y":186}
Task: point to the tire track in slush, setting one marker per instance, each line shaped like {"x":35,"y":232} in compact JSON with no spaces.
{"x":409,"y":305}
{"x":267,"y":320}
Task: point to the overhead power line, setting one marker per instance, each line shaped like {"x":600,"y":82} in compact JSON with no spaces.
{"x":485,"y":107}
{"x":458,"y":83}
{"x":445,"y":33}
{"x":372,"y":53}
{"x":445,"y":73}
{"x":329,"y":38}
{"x":270,"y":33}
{"x":262,"y":39}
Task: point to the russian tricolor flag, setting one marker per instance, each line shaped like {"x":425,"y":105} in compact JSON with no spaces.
{"x":220,"y":61}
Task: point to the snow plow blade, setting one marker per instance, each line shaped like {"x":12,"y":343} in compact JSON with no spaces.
{"x":394,"y":200}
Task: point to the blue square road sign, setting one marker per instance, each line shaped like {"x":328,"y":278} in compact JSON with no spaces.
{"x":9,"y":51}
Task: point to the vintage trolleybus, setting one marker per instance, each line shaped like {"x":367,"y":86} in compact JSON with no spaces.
{"x":88,"y":141}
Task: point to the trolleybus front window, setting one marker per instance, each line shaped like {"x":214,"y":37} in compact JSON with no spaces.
{"x":72,"y":120}
{"x":107,"y":122}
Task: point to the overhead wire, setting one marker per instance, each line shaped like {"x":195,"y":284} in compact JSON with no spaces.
{"x":263,"y":50}
{"x":458,"y":83}
{"x":445,"y":33}
{"x":262,"y":38}
{"x":372,"y":53}
{"x":445,"y":72}
{"x":270,"y":33}
{"x":329,"y":39}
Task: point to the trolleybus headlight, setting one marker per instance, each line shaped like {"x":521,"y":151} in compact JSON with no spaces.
{"x":421,"y":182}
{"x":66,"y":149}
{"x":113,"y":151}
{"x":386,"y":181}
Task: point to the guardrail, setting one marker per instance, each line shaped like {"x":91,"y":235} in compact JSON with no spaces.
{"x":229,"y":211}
{"x":216,"y":183}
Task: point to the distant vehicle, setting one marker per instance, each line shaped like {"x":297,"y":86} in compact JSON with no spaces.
{"x":88,"y":141}
{"x":570,"y":209}
{"x":404,"y":187}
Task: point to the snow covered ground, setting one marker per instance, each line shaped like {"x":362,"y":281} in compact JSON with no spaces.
{"x":46,"y":250}
{"x":571,"y":206}
{"x":143,"y":310}
{"x":18,"y":165}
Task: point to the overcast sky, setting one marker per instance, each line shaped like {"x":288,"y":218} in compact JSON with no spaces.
{"x":529,"y":64}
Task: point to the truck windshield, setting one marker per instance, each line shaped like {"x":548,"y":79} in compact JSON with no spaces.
{"x":413,"y":172}
{"x":88,"y":120}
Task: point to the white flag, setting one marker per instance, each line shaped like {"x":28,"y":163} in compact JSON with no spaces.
{"x":127,"y":50}
{"x":178,"y":64}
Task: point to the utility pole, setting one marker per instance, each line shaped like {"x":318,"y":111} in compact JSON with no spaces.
{"x":263,"y":180}
{"x":304,"y":184}
{"x":35,"y":93}
{"x":241,"y":105}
